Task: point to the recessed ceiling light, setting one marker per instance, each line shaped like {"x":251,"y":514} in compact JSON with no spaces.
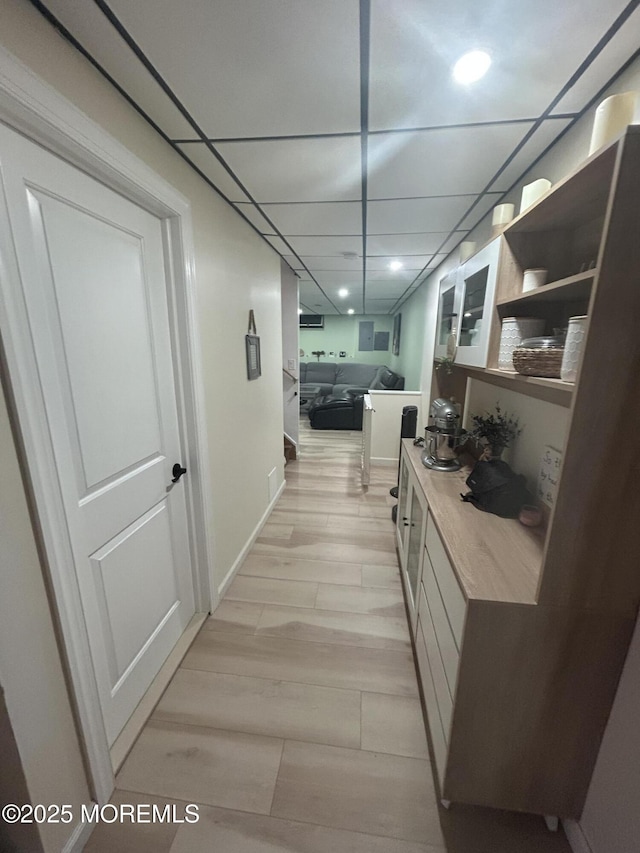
{"x":394,"y":266}
{"x":299,"y":310}
{"x":343,"y":293}
{"x":351,"y":311}
{"x":471,"y":67}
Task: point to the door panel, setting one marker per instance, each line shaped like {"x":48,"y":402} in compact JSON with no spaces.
{"x":104,"y":326}
{"x":92,"y":272}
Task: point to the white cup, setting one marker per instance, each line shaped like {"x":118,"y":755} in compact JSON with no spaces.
{"x":534,"y":278}
{"x":532,"y":192}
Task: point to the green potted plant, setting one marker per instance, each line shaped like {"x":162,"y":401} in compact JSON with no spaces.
{"x":495,"y":431}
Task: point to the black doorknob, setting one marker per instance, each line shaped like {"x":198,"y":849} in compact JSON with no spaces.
{"x":177,"y":472}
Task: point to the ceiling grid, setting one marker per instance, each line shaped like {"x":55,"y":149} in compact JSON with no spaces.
{"x":334,"y":128}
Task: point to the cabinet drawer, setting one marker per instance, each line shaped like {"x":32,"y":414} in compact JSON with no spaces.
{"x":452,"y":597}
{"x":433,"y":714}
{"x":440,"y":683}
{"x":432,"y":602}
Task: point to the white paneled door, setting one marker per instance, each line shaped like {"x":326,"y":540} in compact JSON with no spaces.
{"x":91,"y":268}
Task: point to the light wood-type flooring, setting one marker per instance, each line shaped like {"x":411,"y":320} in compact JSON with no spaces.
{"x":294,"y":720}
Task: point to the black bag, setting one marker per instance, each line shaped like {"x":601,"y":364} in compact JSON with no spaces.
{"x":496,"y":488}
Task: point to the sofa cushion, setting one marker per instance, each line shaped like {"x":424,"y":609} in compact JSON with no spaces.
{"x":302,"y":371}
{"x":320,"y":373}
{"x":387,"y":380}
{"x":355,"y":375}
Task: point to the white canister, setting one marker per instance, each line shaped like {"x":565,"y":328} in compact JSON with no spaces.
{"x":501,"y":217}
{"x":533,"y":278}
{"x":611,"y":118}
{"x":514,"y":331}
{"x":576,"y":334}
{"x":532,"y":192}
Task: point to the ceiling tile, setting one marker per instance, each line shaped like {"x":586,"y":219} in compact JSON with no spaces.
{"x":407,"y":244}
{"x":326,"y":245}
{"x":199,"y":154}
{"x":386,"y":290}
{"x":533,"y":148}
{"x":402,"y":275}
{"x":254,"y":216}
{"x":94,"y":32}
{"x":414,"y":46}
{"x":278,"y":244}
{"x":255,"y":67}
{"x":439,"y":162}
{"x":409,"y":262}
{"x":326,"y":262}
{"x":408,"y":215}
{"x":293,"y":261}
{"x":321,"y":219}
{"x":622,"y":46}
{"x":298,"y":169}
{"x":345,"y":278}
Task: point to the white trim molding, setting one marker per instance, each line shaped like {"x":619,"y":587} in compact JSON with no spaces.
{"x":32,"y":107}
{"x":576,"y":837}
{"x":242,"y":556}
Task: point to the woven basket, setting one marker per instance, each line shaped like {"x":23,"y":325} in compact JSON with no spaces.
{"x":545,"y":361}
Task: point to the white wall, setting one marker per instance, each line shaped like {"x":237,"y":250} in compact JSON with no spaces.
{"x":235,"y":271}
{"x":290,"y":349}
{"x":340,"y":334}
{"x":413,"y":333}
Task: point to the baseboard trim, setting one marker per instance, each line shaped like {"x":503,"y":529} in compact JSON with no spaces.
{"x":250,"y":542}
{"x":385,"y":460}
{"x":576,"y":837}
{"x":124,"y":742}
{"x":78,"y":837}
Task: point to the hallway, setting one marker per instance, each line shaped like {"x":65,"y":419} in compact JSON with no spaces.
{"x":294,"y":720}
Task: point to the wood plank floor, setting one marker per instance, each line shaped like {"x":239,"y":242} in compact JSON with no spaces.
{"x":295,"y":720}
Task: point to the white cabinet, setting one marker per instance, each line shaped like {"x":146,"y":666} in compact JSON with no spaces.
{"x":410,"y":531}
{"x":448,"y":314}
{"x":477,"y":285}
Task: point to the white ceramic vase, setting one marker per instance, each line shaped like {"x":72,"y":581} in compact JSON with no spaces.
{"x":514,"y":331}
{"x":576,"y":334}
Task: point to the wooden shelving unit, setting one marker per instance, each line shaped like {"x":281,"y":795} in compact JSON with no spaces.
{"x":570,"y":289}
{"x":518,"y":700}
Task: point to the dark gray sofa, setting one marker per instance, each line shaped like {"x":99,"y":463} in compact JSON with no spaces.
{"x":335,"y":392}
{"x":334,"y":379}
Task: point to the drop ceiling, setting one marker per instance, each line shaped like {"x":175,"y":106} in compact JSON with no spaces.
{"x":334,"y":127}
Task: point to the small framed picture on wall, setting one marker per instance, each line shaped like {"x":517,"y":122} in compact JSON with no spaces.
{"x":254,"y":369}
{"x":397,"y":323}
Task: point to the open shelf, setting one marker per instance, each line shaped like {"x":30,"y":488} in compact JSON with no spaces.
{"x":552,"y":390}
{"x":570,"y":289}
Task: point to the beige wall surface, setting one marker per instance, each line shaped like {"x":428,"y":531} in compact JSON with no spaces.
{"x":235,"y":271}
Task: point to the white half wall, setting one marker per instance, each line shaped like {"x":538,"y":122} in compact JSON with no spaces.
{"x":386,"y":422}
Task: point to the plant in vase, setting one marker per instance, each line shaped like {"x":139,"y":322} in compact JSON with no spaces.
{"x":318,"y":353}
{"x":495,"y":431}
{"x":444,"y":364}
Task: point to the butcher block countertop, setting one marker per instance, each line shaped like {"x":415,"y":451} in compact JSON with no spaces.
{"x":495,"y":559}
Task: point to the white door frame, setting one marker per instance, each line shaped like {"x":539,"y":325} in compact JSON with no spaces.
{"x":34,"y":108}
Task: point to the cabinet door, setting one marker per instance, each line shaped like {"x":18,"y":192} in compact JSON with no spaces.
{"x":448,"y":314}
{"x":478,"y":276}
{"x":415,"y":550}
{"x":402,"y":519}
